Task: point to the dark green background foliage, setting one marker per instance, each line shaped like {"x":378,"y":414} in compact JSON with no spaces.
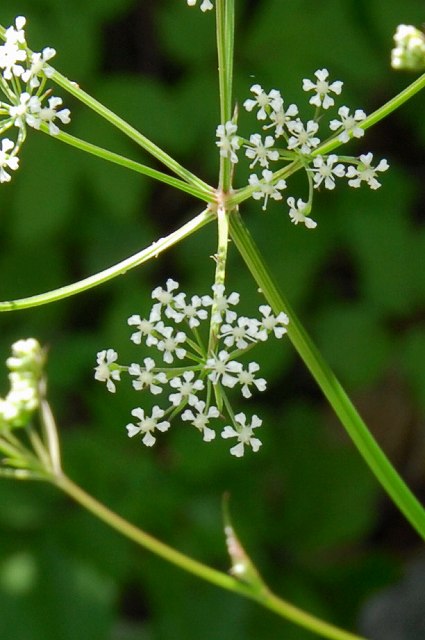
{"x":307,"y":508}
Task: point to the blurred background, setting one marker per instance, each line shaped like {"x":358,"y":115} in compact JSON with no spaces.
{"x":322,"y":532}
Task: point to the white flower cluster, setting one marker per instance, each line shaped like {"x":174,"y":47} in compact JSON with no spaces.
{"x":301,"y":141}
{"x":23,"y":76}
{"x":26,"y":367}
{"x":206,"y":5}
{"x":409,"y":52}
{"x":196,"y":373}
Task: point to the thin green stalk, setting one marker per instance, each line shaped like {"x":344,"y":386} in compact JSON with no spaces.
{"x":220,"y":579}
{"x":225,"y":17}
{"x":112,"y":272}
{"x":202,"y":194}
{"x":378,"y":115}
{"x":129,"y":131}
{"x":354,"y":425}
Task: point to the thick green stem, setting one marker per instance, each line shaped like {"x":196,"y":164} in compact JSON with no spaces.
{"x":263,"y":597}
{"x":220,"y":270}
{"x":354,"y":425}
{"x":225,"y":16}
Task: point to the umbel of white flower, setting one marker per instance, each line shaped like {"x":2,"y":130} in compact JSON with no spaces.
{"x":192,"y":379}
{"x":23,"y":76}
{"x":289,"y":139}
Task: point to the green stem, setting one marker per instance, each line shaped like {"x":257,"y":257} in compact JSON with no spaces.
{"x":112,"y":272}
{"x":220,"y":270}
{"x":378,"y":115}
{"x":225,"y":16}
{"x":122,"y":125}
{"x":202,"y":194}
{"x":356,"y":428}
{"x":129,"y":131}
{"x":264,"y":597}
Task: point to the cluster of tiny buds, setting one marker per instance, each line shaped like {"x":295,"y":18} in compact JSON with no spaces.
{"x":23,"y":76}
{"x":26,"y":369}
{"x":409,"y":52}
{"x":199,"y":372}
{"x":289,"y":139}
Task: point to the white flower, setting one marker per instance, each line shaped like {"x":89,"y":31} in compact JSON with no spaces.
{"x":302,"y":137}
{"x":364,"y":172}
{"x":282,"y":118}
{"x":165,"y":299}
{"x":147,"y":425}
{"x":16,"y":34}
{"x":296,"y":213}
{"x":191,"y":311}
{"x":223,"y":370}
{"x":11,"y":55}
{"x":7,"y":161}
{"x":265,"y":188}
{"x":104,"y":371}
{"x":186,"y":389}
{"x":265,"y":101}
{"x":261,"y":151}
{"x":349,"y":124}
{"x":221,"y":303}
{"x":39,"y":66}
{"x":206,"y":5}
{"x":322,"y":89}
{"x":145,"y":377}
{"x":201,"y":419}
{"x":270,"y":322}
{"x":228,"y":142}
{"x":244,"y":434}
{"x":145,"y":329}
{"x":325,"y":171}
{"x":243,"y":334}
{"x":246,"y":379}
{"x":49,"y":115}
{"x":170,"y":344}
{"x":26,"y":111}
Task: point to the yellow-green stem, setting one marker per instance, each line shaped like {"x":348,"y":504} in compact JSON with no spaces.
{"x":263,"y":597}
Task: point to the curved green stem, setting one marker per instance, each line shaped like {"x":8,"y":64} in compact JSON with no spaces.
{"x":264,"y":597}
{"x":112,"y":272}
{"x":354,"y":425}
